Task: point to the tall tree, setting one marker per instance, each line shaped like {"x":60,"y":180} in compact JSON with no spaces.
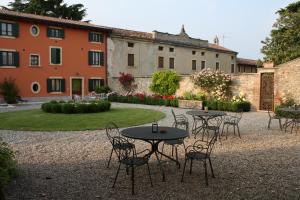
{"x":52,"y":8}
{"x":283,"y":44}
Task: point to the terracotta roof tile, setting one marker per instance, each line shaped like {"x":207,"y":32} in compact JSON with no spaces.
{"x":130,"y":33}
{"x":5,"y":13}
{"x":245,"y":61}
{"x":218,"y":47}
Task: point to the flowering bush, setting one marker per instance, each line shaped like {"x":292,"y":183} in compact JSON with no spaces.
{"x":240,"y":98}
{"x":287,"y":100}
{"x":127,"y":82}
{"x":215,"y":83}
{"x":165,"y":83}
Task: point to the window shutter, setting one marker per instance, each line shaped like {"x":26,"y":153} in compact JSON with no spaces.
{"x":90,"y":36}
{"x":63,"y":85}
{"x":53,"y":55}
{"x":15,"y":30}
{"x":0,"y":28}
{"x":91,"y":85}
{"x":48,"y":32}
{"x":90,"y":58}
{"x":62,"y":33}
{"x":1,"y":59}
{"x":16,"y":59}
{"x":101,"y":38}
{"x":49,"y":87}
{"x":102,"y":58}
{"x":58,"y":58}
{"x":101,"y":82}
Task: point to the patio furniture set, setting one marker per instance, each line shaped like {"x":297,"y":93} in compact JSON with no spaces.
{"x":292,"y":119}
{"x":206,"y":125}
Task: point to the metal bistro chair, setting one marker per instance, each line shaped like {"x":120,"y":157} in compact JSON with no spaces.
{"x":180,"y":121}
{"x":198,"y":125}
{"x":213,"y":125}
{"x":232,"y":121}
{"x":294,"y":123}
{"x":200,"y":151}
{"x":112,"y":131}
{"x":131,"y":159}
{"x":274,"y":116}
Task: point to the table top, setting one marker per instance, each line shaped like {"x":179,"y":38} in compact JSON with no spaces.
{"x":204,"y":114}
{"x":291,"y":110}
{"x":145,"y":133}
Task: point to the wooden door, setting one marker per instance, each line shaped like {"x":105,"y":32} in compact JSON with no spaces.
{"x":267,"y":91}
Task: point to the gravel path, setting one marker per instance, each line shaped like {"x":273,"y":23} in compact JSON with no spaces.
{"x":264,"y":164}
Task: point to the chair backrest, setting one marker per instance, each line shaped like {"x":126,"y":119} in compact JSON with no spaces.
{"x":175,"y":120}
{"x":122,"y":153}
{"x":215,"y":121}
{"x":112,"y":131}
{"x":239,"y":115}
{"x":198,"y":145}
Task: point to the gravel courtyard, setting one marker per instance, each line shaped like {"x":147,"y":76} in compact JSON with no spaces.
{"x":264,"y":164}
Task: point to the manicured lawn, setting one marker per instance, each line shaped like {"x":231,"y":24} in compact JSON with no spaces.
{"x":37,"y":120}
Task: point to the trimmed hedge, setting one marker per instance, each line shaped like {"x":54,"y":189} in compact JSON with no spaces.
{"x":244,"y":106}
{"x":71,"y":107}
{"x":148,"y":100}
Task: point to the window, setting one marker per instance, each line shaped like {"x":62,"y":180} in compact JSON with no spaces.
{"x":131,"y":60}
{"x":34,"y":30}
{"x":160,"y":48}
{"x":96,"y":37}
{"x":160,"y":62}
{"x":96,"y":58}
{"x":171,"y":63}
{"x":55,"y":33}
{"x":171,"y":49}
{"x":232,"y":57}
{"x":95,"y":83}
{"x":9,"y":29}
{"x":9,"y":58}
{"x":194,"y":52}
{"x":202,"y":53}
{"x":217,"y":55}
{"x":34,"y":60}
{"x":232,"y":68}
{"x":194,"y":64}
{"x":130,"y":44}
{"x":217,"y":65}
{"x":35,"y":87}
{"x":203,"y":64}
{"x":55,"y":56}
{"x":55,"y":85}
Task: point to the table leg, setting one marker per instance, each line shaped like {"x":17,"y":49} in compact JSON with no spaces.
{"x":160,"y":166}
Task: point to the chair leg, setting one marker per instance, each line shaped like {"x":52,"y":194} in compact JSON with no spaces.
{"x":162,"y":150}
{"x":116,"y":175}
{"x":191,"y":166}
{"x":238,"y":129}
{"x":211,"y":168}
{"x":269,"y":123}
{"x":183,"y":169}
{"x":234,"y":129}
{"x":176,"y":154}
{"x":227,"y":132}
{"x":172,"y":150}
{"x":110,"y":157}
{"x":149,"y":175}
{"x":205,"y":169}
{"x":223,"y":129}
{"x":132,"y":179}
{"x":280,"y":125}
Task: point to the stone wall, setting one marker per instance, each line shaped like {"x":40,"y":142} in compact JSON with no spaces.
{"x":287,"y":80}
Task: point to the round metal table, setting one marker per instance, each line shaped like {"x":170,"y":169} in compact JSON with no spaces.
{"x":145,"y":133}
{"x":204,"y":117}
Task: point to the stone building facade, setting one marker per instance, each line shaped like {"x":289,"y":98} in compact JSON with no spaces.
{"x":141,"y":54}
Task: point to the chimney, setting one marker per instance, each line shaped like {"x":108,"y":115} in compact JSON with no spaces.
{"x":216,"y":40}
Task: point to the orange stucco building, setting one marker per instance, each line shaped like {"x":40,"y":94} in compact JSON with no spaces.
{"x":52,"y":57}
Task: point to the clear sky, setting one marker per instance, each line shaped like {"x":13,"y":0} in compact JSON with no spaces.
{"x":241,"y":23}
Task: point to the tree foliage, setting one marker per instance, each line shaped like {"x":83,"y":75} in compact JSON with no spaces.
{"x":165,"y":83}
{"x":52,"y":8}
{"x":283,"y":44}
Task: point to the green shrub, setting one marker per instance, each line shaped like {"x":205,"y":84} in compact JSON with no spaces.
{"x":81,"y":108}
{"x":165,"y":83}
{"x":7,"y":165}
{"x":174,"y":102}
{"x":9,"y":90}
{"x":46,"y":107}
{"x":56,"y":107}
{"x":68,"y":108}
{"x":61,"y":101}
{"x":53,"y":101}
{"x":92,"y":108}
{"x":102,"y":89}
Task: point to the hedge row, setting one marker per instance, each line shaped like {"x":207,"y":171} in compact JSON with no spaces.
{"x":71,"y":107}
{"x":148,"y":100}
{"x":244,"y":106}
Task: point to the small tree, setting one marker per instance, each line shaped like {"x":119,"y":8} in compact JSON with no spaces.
{"x":165,"y":83}
{"x":9,"y":90}
{"x":127,"y":82}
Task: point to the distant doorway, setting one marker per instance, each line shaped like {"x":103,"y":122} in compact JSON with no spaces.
{"x":267,"y":91}
{"x":77,"y":87}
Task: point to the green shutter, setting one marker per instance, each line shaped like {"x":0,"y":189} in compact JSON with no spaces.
{"x":101,"y":82}
{"x":90,"y":37}
{"x":90,"y":58}
{"x":63,"y":85}
{"x":102,"y":58}
{"x":53,"y":56}
{"x":49,"y":87}
{"x":58,"y":58}
{"x":62,"y":33}
{"x":101,"y":38}
{"x":16,"y":59}
{"x":1,"y":59}
{"x":91,"y":88}
{"x":15,"y":30}
{"x":48,"y":32}
{"x":0,"y":28}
